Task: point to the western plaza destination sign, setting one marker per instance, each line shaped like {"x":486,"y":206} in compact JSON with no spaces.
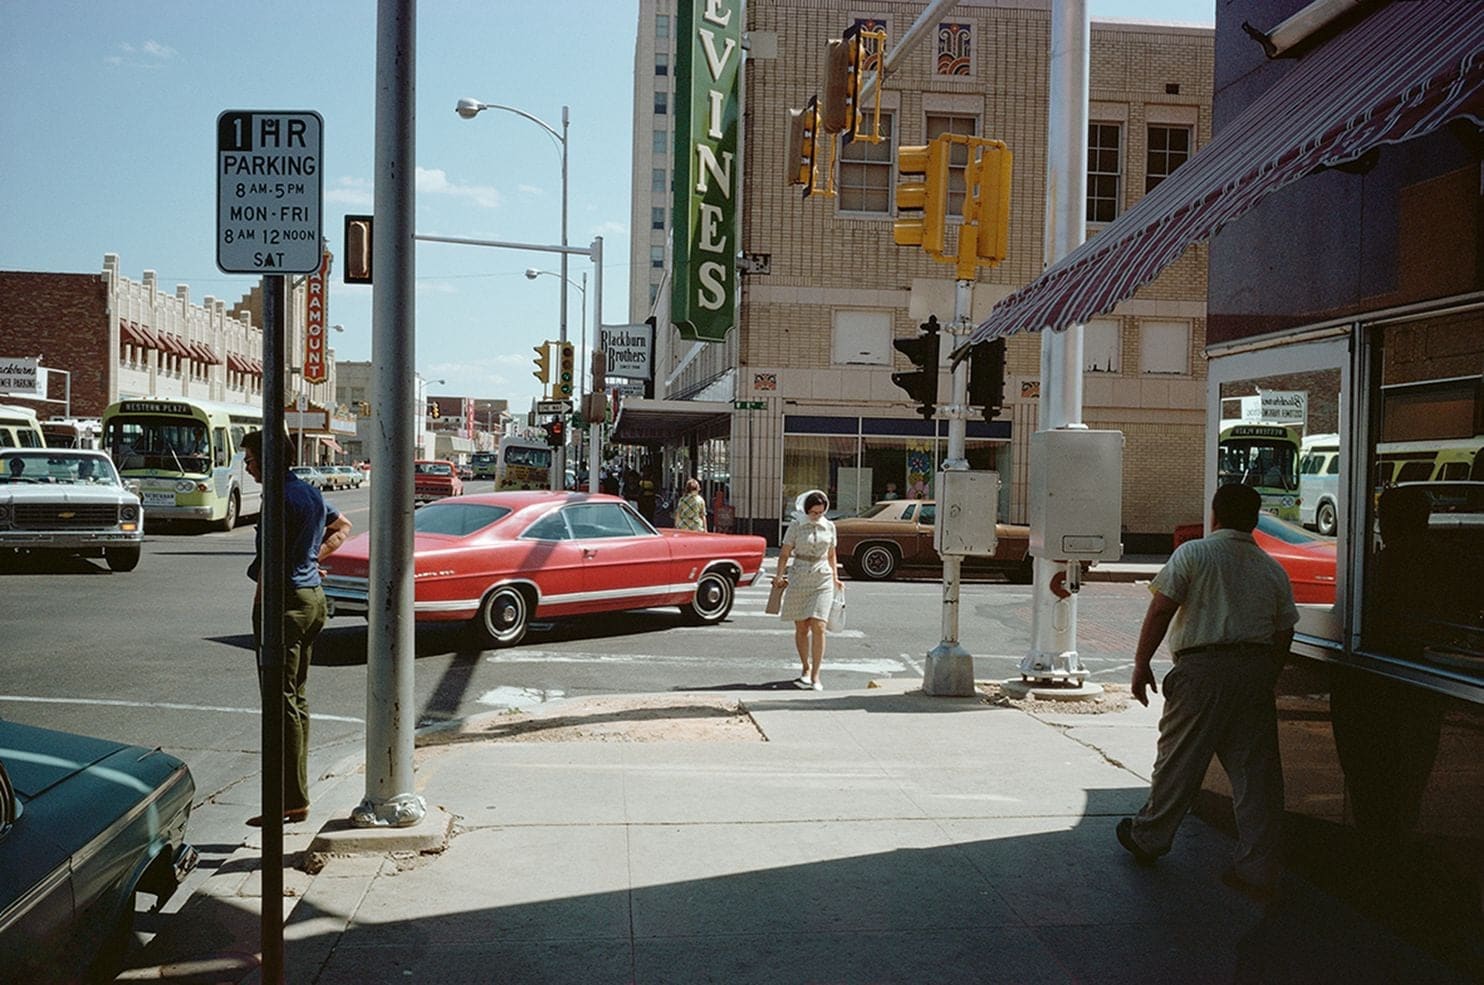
{"x":703,"y":299}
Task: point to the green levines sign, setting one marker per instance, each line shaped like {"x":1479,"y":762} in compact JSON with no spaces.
{"x":703,"y":298}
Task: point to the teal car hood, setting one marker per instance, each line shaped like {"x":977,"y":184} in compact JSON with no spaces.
{"x":38,"y":759}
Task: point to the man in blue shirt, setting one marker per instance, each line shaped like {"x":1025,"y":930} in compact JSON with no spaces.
{"x":312,"y":531}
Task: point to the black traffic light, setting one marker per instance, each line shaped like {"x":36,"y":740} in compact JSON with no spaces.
{"x":921,"y":385}
{"x":556,"y":433}
{"x":987,"y":377}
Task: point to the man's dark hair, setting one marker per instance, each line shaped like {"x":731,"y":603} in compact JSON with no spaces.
{"x":816,"y":499}
{"x":1236,"y":507}
{"x":253,"y":441}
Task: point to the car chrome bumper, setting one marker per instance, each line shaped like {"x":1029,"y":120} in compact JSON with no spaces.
{"x":346,"y":596}
{"x":185,"y":861}
{"x":69,"y":539}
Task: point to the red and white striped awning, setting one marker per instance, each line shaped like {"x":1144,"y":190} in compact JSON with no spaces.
{"x":1400,"y":73}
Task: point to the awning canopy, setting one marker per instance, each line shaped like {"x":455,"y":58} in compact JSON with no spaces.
{"x":1398,"y":74}
{"x":150,"y":338}
{"x":209,"y":354}
{"x":642,"y":422}
{"x":331,"y":444}
{"x":130,"y":335}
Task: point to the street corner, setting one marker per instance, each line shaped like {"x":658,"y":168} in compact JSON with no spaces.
{"x":341,"y":838}
{"x":670,"y":717}
{"x":1099,"y":698}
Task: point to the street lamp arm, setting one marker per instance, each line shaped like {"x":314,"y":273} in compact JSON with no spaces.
{"x":470,"y":108}
{"x":532,"y":273}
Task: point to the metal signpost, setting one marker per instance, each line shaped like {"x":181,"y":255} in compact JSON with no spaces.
{"x":269,"y":222}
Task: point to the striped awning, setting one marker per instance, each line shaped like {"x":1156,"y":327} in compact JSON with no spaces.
{"x":130,"y":335}
{"x":148,"y":335}
{"x":208,"y":354}
{"x":1400,"y":73}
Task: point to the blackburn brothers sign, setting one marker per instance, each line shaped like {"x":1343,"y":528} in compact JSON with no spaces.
{"x":703,"y":299}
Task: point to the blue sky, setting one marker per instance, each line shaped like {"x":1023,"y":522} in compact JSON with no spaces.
{"x":107,"y":145}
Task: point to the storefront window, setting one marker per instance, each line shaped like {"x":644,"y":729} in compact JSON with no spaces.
{"x":816,"y":462}
{"x":1271,"y":432}
{"x":1425,"y":502}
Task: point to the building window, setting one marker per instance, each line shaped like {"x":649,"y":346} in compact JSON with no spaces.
{"x":657,"y":257}
{"x":1104,"y":172}
{"x":958,"y":155}
{"x":661,"y":63}
{"x":1102,"y":350}
{"x":1169,"y":147}
{"x":657,"y":182}
{"x":654,"y":294}
{"x":1164,"y":348}
{"x":656,"y":218}
{"x":661,"y":142}
{"x":866,"y":174}
{"x":862,"y":338}
{"x":662,"y":25}
{"x":661,"y":103}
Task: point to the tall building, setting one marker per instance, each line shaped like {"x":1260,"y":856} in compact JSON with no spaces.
{"x":826,"y":292}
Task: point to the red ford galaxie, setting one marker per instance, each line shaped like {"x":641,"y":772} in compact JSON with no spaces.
{"x":500,"y":560}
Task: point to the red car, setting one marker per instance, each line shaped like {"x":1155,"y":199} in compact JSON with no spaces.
{"x":434,"y":480}
{"x":1307,"y":557}
{"x":500,"y":560}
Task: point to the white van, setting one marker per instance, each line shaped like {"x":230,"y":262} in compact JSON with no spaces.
{"x":20,"y":428}
{"x":1319,"y":483}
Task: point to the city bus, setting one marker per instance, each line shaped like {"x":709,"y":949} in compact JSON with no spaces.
{"x":525,"y":463}
{"x":19,"y":428}
{"x":484,"y":464}
{"x":1265,"y":457}
{"x":186,"y":456}
{"x":67,"y":432}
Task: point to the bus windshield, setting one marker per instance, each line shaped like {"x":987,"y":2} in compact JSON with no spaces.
{"x":171,"y":443}
{"x":538,"y":457}
{"x":1264,"y":463}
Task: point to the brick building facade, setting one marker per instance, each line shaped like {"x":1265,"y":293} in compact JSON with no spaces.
{"x":815,"y":330}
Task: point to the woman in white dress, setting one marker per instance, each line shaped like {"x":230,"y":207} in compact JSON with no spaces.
{"x":810,"y":583}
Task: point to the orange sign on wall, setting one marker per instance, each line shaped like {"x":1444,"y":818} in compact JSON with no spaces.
{"x":317,"y":307}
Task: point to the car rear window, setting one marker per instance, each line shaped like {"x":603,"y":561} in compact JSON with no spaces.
{"x":456,"y":519}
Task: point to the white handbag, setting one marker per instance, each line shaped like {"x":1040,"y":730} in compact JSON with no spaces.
{"x":837,"y":612}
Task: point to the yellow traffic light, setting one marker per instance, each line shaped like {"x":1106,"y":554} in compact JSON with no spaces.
{"x":798,"y":167}
{"x":987,"y":198}
{"x":928,"y":196}
{"x":837,"y":113}
{"x":566,"y":373}
{"x":543,"y":362}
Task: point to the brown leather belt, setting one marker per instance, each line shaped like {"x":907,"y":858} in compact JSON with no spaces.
{"x":1213,"y":647}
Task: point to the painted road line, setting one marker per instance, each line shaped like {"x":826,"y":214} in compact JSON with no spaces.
{"x":863,"y":666}
{"x":166,"y":705}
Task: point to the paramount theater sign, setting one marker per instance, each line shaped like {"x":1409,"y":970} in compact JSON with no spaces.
{"x":703,"y":300}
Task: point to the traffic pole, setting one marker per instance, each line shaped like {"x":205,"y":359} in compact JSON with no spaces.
{"x":391,"y":799}
{"x":1053,"y":658}
{"x":949,"y":669}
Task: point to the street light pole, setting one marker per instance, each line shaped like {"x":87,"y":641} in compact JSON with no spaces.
{"x":470,"y":108}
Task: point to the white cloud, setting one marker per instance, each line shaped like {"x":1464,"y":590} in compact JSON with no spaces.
{"x":435,"y":181}
{"x":146,"y":54}
{"x":351,"y":191}
{"x":533,"y":190}
{"x":610,"y":230}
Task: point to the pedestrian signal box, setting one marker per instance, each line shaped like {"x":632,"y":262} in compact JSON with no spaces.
{"x":1076,"y":495}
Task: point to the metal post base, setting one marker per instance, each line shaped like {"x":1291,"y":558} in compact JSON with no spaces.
{"x":401,"y":811}
{"x":1046,"y":667}
{"x":949,"y":672}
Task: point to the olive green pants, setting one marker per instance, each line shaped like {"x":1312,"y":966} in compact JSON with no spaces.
{"x":304,"y":614}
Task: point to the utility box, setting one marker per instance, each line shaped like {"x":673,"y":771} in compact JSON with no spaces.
{"x":968,"y":503}
{"x":1077,"y":495}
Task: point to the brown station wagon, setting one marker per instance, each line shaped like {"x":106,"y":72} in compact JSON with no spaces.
{"x":897,"y":534}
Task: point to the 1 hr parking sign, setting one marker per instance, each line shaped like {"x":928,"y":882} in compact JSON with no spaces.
{"x":269,"y":191}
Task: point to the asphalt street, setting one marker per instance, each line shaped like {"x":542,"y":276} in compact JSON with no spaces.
{"x":162,"y":656}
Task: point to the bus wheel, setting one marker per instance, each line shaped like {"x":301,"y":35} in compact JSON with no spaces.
{"x":1324,"y":518}
{"x":229,"y":521}
{"x":121,"y":558}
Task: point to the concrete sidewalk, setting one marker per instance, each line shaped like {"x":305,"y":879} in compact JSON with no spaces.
{"x":857,"y":836}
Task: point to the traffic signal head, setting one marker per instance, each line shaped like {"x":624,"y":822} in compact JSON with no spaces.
{"x":987,"y":377}
{"x":556,"y":432}
{"x":599,"y":371}
{"x":433,"y":410}
{"x":927,"y":195}
{"x":566,"y":372}
{"x":921,"y":384}
{"x":543,"y":362}
{"x":841,"y":83}
{"x":798,"y":167}
{"x":987,"y":198}
{"x":358,"y":249}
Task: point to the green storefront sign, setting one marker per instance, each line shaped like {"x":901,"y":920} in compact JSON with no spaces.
{"x":708,"y":174}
